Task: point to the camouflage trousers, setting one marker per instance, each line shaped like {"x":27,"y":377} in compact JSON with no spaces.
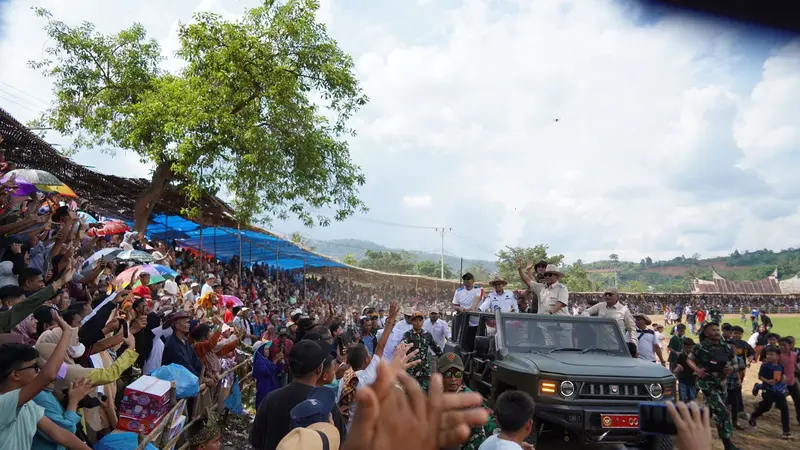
{"x":715,"y":402}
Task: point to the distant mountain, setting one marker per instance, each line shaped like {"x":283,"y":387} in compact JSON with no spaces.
{"x":338,"y":248}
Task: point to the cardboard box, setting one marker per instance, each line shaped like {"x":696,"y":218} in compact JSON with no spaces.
{"x":136,"y":425}
{"x":146,"y":399}
{"x":175,"y":429}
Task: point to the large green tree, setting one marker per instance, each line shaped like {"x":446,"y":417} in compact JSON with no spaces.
{"x":478,"y":271}
{"x":507,"y":260}
{"x":392,"y":262}
{"x":433,"y":269}
{"x":240,"y":114}
{"x":350,"y":259}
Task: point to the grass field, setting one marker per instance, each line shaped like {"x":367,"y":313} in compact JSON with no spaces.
{"x":768,"y":433}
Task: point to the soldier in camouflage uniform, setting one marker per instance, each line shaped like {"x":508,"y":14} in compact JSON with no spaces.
{"x":423,"y":341}
{"x":452,"y":369}
{"x":712,"y":360}
{"x":715,"y":316}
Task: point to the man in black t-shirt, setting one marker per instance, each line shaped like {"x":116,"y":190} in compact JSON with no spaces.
{"x":273,"y":422}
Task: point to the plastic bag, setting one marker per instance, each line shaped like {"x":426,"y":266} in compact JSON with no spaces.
{"x":234,"y":401}
{"x":186,"y":383}
{"x":121,"y":441}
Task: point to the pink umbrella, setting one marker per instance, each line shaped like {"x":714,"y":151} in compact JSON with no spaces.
{"x":109,"y":228}
{"x":230,"y":300}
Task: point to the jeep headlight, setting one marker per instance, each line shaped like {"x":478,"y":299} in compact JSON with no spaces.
{"x":656,"y":391}
{"x":567,"y":388}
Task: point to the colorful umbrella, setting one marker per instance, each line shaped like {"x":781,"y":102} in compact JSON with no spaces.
{"x":135,"y":255}
{"x":230,"y":300}
{"x":43,"y":181}
{"x":86,"y":217}
{"x":109,"y":228}
{"x":164,"y":271}
{"x":106,"y":254}
{"x":125,"y":278}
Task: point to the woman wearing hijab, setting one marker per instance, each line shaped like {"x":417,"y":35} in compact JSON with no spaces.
{"x":266,"y":370}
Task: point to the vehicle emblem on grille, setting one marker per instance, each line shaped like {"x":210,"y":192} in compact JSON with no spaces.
{"x":614,"y":389}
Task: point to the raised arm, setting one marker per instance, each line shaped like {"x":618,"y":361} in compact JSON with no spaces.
{"x":387,"y":331}
{"x":50,"y":370}
{"x":526,"y":278}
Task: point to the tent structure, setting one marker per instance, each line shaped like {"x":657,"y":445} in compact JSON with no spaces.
{"x":224,"y":243}
{"x":720,"y":285}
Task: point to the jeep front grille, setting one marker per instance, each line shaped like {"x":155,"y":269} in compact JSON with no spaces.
{"x":611,"y":391}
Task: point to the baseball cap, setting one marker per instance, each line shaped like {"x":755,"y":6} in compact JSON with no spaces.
{"x":313,"y":409}
{"x":283,"y":331}
{"x":319,"y":436}
{"x":450,"y":361}
{"x":306,"y":356}
{"x":468,"y":276}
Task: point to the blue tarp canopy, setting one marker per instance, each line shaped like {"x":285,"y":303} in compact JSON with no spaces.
{"x":223,"y":242}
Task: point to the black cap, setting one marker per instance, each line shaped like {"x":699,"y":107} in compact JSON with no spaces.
{"x":306,"y":356}
{"x":541,"y":263}
{"x":283,"y":331}
{"x":468,"y":276}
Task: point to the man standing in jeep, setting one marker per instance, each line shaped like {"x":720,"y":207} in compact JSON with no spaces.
{"x":467,"y":298}
{"x":553,"y":296}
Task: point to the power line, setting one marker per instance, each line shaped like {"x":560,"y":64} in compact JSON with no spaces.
{"x":26,"y":93}
{"x":17,"y":103}
{"x":395,"y":224}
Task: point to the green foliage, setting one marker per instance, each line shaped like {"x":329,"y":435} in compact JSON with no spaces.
{"x":239,"y":115}
{"x":507,"y":260}
{"x":350,"y":259}
{"x":479,"y":272}
{"x":299,"y":239}
{"x":577,"y":280}
{"x":393,"y":262}
{"x":614,"y":257}
{"x":633,"y":286}
{"x":433,"y":270}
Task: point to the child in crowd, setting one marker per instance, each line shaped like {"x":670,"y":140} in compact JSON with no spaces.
{"x":687,"y":382}
{"x":772,"y":341}
{"x":514,"y":412}
{"x":771,"y":375}
{"x":734,"y":399}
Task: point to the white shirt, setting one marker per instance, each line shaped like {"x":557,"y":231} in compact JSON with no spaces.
{"x":661,"y":339}
{"x":464,"y":298}
{"x":205,"y":290}
{"x":366,"y":377}
{"x":505,"y":302}
{"x":154,"y":360}
{"x":395,"y":338}
{"x":645,"y":348}
{"x":439,"y":330}
{"x":495,"y":443}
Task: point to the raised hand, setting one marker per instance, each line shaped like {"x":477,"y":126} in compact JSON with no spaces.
{"x":402,"y":357}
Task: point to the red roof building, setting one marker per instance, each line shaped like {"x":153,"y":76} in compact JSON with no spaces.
{"x":720,"y":285}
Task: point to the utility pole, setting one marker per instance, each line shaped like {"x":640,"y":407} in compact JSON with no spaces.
{"x":441,"y":260}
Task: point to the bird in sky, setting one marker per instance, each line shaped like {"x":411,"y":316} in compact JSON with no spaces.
{"x":556,"y":120}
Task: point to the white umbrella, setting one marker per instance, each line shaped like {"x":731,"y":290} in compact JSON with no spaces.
{"x":106,"y":254}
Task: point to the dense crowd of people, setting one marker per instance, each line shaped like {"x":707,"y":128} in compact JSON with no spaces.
{"x":89,"y":307}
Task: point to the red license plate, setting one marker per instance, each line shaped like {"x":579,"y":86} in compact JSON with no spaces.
{"x":619,"y":420}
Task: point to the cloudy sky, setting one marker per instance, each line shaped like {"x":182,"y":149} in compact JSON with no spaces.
{"x":675,"y":135}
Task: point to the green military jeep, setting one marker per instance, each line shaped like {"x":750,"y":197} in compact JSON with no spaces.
{"x":579,"y":371}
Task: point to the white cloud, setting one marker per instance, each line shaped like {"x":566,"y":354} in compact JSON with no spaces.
{"x":417,"y":201}
{"x":660,"y":149}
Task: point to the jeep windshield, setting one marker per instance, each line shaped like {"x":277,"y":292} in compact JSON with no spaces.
{"x":522,"y":334}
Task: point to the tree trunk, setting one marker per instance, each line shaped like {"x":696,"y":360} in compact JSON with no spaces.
{"x":149,"y":197}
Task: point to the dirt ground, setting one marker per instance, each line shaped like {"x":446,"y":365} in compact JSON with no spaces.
{"x":765,"y":437}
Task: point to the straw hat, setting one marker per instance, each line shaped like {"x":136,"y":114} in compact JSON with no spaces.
{"x":552,"y":268}
{"x":498,"y":280}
